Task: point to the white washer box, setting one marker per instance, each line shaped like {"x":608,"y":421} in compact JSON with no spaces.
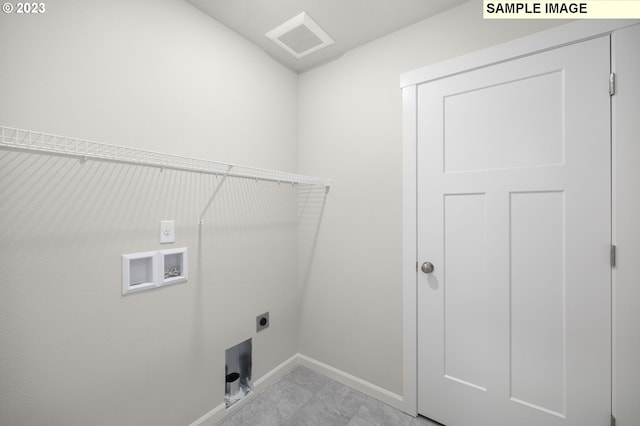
{"x":174,"y":266}
{"x":153,"y":269}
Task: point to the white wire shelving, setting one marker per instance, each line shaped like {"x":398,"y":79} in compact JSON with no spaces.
{"x":29,"y":140}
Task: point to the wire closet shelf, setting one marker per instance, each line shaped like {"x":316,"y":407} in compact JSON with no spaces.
{"x":29,"y":140}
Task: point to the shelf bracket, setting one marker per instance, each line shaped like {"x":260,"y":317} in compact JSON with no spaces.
{"x":215,"y":192}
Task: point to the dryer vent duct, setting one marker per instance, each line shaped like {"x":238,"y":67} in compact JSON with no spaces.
{"x":300,"y":36}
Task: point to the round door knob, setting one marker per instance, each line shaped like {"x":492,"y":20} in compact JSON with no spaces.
{"x":427,"y":267}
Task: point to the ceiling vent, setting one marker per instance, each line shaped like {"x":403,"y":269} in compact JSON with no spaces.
{"x":300,"y":36}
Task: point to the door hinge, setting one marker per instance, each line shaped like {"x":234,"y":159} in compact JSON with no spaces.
{"x":613,"y":420}
{"x":612,"y":84}
{"x":612,"y":256}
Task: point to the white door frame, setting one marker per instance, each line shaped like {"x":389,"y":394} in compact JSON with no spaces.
{"x":566,"y":34}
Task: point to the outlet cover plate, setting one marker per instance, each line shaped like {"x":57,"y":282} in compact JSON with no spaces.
{"x":167,"y":231}
{"x":262,"y":322}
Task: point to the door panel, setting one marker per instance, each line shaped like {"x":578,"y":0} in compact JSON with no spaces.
{"x":537,"y":305}
{"x":464,"y":307}
{"x":539,"y":141}
{"x":514,"y":323}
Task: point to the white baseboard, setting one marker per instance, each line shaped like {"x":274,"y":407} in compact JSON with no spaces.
{"x":369,"y":389}
{"x":219,"y":412}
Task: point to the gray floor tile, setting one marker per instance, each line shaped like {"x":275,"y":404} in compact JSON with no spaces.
{"x":287,"y":397}
{"x":274,"y":407}
{"x":344,"y":398}
{"x":306,"y":398}
{"x":380,"y":414}
{"x":227,"y":421}
{"x":307,"y":379}
{"x":357,"y":421}
{"x":319,"y":413}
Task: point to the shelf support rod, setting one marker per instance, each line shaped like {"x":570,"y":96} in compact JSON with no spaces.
{"x":215,"y":192}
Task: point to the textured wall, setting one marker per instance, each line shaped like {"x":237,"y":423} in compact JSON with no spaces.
{"x":156,"y":75}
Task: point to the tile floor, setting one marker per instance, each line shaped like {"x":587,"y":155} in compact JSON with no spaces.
{"x":306,"y":398}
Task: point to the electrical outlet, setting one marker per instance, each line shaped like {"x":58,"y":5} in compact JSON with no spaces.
{"x":262,"y":321}
{"x":167,"y":231}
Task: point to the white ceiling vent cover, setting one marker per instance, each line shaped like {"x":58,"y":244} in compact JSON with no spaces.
{"x":300,"y":36}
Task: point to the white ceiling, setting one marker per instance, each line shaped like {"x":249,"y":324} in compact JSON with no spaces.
{"x":351,"y":23}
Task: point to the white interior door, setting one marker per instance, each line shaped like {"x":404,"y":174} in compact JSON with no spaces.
{"x":514,"y":201}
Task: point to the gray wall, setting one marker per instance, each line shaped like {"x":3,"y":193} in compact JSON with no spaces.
{"x":156,"y":75}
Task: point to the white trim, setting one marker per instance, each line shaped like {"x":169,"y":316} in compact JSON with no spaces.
{"x":556,"y":37}
{"x":615,"y":127}
{"x":219,"y":412}
{"x":529,"y":45}
{"x":625,"y":228}
{"x":277,"y":373}
{"x":354,"y":382}
{"x":409,"y":251}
